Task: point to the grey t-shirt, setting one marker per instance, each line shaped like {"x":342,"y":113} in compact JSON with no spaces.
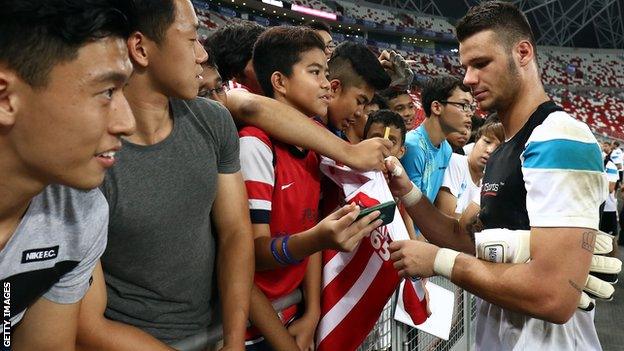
{"x":159,"y":263}
{"x":54,"y":249}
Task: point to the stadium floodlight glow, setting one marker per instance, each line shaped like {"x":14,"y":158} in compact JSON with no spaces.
{"x":313,"y":12}
{"x":274,"y":3}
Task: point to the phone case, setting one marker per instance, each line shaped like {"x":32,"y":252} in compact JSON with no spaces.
{"x":387,"y":212}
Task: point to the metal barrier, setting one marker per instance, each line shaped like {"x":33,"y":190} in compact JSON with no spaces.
{"x":213,"y":335}
{"x":387,"y":334}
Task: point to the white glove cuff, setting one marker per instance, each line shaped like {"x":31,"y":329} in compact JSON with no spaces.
{"x":444,"y":262}
{"x":503,"y":245}
{"x":412,"y":197}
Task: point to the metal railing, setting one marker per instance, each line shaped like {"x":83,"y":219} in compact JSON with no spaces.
{"x":213,"y":335}
{"x":387,"y":334}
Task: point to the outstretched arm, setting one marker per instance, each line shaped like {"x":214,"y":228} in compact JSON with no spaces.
{"x":438,"y":228}
{"x":290,"y":126}
{"x":548,"y":287}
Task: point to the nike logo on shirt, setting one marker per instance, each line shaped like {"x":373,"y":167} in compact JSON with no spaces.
{"x":287,"y":185}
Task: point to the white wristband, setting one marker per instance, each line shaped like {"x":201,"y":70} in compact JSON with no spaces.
{"x":412,"y":197}
{"x":444,"y":262}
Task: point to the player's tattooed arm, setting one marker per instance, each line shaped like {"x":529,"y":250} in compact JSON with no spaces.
{"x":575,"y":286}
{"x":588,"y":241}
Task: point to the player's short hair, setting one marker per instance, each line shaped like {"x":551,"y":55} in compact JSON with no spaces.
{"x":440,"y":88}
{"x":35,"y":35}
{"x":504,"y":18}
{"x":386,"y":118}
{"x":155,"y":17}
{"x":353,"y":64}
{"x":232,"y":47}
{"x":278,"y":49}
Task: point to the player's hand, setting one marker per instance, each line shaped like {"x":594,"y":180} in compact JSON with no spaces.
{"x":398,"y":180}
{"x":338,"y":231}
{"x":303,"y":330}
{"x":401,"y":75}
{"x":369,"y":154}
{"x":413,"y":258}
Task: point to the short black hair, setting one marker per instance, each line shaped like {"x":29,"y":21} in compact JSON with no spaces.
{"x":504,"y":18}
{"x":211,"y":61}
{"x":278,"y":49}
{"x":353,"y":64}
{"x":477,"y":122}
{"x":387,"y":118}
{"x":616,"y":143}
{"x":155,"y":17}
{"x":319,"y":25}
{"x":392,"y":93}
{"x":36,"y":35}
{"x":232,"y":47}
{"x":440,"y":88}
{"x":379,"y":101}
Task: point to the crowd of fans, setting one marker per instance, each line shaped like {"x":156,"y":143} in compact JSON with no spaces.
{"x":217,"y":205}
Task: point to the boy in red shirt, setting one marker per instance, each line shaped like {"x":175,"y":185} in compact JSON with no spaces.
{"x":283,"y":187}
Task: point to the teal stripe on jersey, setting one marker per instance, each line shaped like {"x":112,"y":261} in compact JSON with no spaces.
{"x":612,"y":171}
{"x":563,"y":154}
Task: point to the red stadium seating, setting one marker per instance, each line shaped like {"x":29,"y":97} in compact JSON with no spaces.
{"x":602,"y":111}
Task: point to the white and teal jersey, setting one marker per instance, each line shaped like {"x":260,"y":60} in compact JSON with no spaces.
{"x":563,"y":174}
{"x":550,"y":174}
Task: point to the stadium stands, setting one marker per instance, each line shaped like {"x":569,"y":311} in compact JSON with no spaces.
{"x":601,"y":111}
{"x":431,"y":23}
{"x":564,"y":71}
{"x":366,"y":13}
{"x":313,"y":4}
{"x":582,"y":68}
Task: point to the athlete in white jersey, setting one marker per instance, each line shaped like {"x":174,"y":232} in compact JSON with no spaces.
{"x":528,"y":186}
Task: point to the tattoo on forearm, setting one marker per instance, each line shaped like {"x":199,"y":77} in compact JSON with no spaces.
{"x":589,"y":240}
{"x":575,"y":286}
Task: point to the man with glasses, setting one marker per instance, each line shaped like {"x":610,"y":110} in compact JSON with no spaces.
{"x":448,"y":105}
{"x":212,"y":86}
{"x":324,"y":31}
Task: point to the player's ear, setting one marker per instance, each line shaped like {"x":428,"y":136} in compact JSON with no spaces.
{"x":335,"y":86}
{"x":280,"y":83}
{"x":9,"y":97}
{"x":401,"y":152}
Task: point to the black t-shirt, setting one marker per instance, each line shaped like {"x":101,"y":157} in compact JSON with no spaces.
{"x":503,"y":193}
